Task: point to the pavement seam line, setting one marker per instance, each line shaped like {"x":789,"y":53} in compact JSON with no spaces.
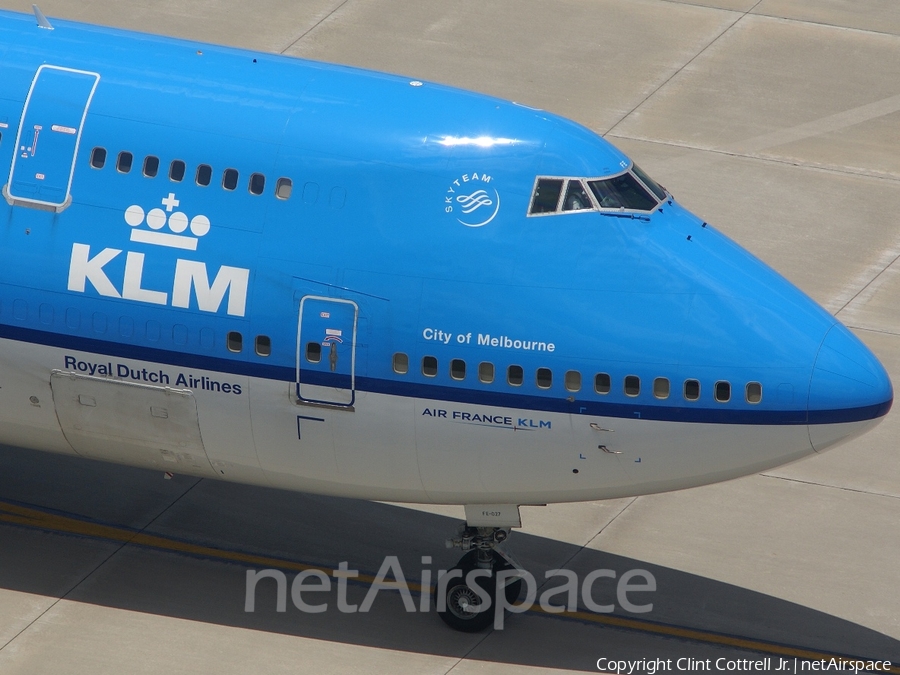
{"x":565,"y":563}
{"x":316,"y":25}
{"x":869,"y":283}
{"x":761,"y":158}
{"x":101,"y":564}
{"x":788,"y":18}
{"x":681,"y":69}
{"x":605,"y":527}
{"x":833,"y":487}
{"x":810,"y":22}
{"x":881,"y":331}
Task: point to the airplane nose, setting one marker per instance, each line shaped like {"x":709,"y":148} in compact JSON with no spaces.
{"x":850,"y":391}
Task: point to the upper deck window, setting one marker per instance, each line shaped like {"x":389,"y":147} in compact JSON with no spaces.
{"x":151,"y":166}
{"x":98,"y":157}
{"x":176,"y":171}
{"x":124,"y":162}
{"x":257,"y":184}
{"x":204,"y":175}
{"x":622,"y":192}
{"x":546,"y":195}
{"x":283,"y":188}
{"x":230,"y":179}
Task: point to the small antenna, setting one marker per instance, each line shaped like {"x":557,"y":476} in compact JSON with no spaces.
{"x":41,"y":19}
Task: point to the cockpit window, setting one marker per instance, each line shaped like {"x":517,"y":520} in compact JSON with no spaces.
{"x":622,"y":192}
{"x":631,"y":190}
{"x":655,"y":187}
{"x":576,"y":197}
{"x":546,"y":195}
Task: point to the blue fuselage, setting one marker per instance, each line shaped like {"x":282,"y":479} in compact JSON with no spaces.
{"x":204,"y":218}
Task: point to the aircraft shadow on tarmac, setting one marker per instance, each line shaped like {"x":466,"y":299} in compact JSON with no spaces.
{"x":61,"y":518}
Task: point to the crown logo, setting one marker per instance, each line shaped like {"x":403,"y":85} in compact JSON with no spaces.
{"x":176,"y":222}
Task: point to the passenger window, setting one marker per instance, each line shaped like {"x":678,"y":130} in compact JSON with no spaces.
{"x":124,"y":162}
{"x":754,"y":392}
{"x":544,"y":378}
{"x":98,"y":158}
{"x":235,"y":341}
{"x":622,"y":192}
{"x":691,"y":390}
{"x":283,"y":188}
{"x":515,"y":376}
{"x":661,"y":387}
{"x":73,"y":319}
{"x":576,"y":197}
{"x":313,"y":352}
{"x":486,"y":372}
{"x":546,"y":195}
{"x":602,"y":383}
{"x":723,"y":392}
{"x":573,"y":380}
{"x":337,"y":197}
{"x":230,"y":179}
{"x":151,"y":166}
{"x":204,"y":175}
{"x":257,"y":183}
{"x":263,"y":345}
{"x":429,"y":366}
{"x":176,"y":171}
{"x":126,"y":325}
{"x":632,"y":385}
{"x":401,"y":363}
{"x":179,"y":333}
{"x":154,"y":331}
{"x":458,"y":369}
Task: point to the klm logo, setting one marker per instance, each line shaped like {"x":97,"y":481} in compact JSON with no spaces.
{"x":171,"y":229}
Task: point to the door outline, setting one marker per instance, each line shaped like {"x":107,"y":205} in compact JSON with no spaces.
{"x":146,"y":425}
{"x":299,"y":354}
{"x":57,"y":207}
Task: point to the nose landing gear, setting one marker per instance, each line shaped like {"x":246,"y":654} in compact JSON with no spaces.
{"x":466,"y":593}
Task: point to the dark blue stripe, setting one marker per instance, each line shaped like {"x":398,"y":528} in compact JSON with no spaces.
{"x":870,"y":412}
{"x":718,"y":415}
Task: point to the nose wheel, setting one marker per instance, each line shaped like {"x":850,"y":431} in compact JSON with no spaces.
{"x":466,"y":602}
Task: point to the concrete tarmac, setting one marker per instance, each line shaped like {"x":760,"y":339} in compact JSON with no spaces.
{"x":776,"y":120}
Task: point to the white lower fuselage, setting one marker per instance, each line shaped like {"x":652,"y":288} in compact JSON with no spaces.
{"x":386,"y":447}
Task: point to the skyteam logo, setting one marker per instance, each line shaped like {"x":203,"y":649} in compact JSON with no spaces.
{"x":167,"y":228}
{"x":472,"y":199}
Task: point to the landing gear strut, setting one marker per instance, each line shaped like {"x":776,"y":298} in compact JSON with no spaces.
{"x":460,"y":596}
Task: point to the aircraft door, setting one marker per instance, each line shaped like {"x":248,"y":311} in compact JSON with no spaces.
{"x":150,"y":426}
{"x":326,"y":351}
{"x":47,"y":143}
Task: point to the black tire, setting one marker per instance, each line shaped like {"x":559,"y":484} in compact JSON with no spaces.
{"x":459,"y":595}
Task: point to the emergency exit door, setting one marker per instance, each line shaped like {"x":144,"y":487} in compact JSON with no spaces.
{"x":326,"y":351}
{"x":48,"y":137}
